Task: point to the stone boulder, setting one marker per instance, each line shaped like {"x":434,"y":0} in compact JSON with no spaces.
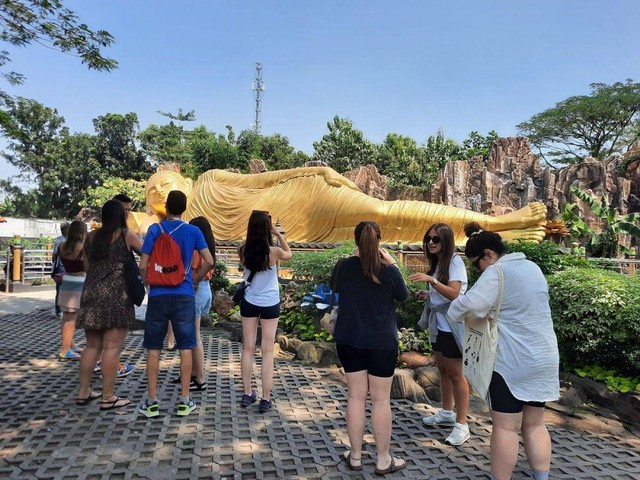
{"x":369,"y":180}
{"x":416,"y":359}
{"x":318,"y":353}
{"x":222,"y":303}
{"x":404,"y":386}
{"x":257,"y":165}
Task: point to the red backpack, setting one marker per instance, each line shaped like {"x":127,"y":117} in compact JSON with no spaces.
{"x":166,"y":268}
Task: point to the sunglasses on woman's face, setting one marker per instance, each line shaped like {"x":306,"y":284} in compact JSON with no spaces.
{"x":434,"y":240}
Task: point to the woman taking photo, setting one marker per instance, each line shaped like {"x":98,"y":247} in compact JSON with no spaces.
{"x":447,"y":279}
{"x":71,"y":252}
{"x":107,"y":308}
{"x":366,"y":337}
{"x":525,"y":374}
{"x":261,"y":302}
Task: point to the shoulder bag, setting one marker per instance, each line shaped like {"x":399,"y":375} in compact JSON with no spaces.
{"x":238,"y":296}
{"x":481,"y":343}
{"x":133,"y":278}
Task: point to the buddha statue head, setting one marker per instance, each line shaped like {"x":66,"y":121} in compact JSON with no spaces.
{"x":158,"y":187}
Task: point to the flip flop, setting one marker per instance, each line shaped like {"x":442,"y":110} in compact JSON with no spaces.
{"x":392,"y":467}
{"x":347,"y":458}
{"x":111,"y":404}
{"x":85,"y":401}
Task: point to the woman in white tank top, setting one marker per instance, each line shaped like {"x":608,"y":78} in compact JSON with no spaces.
{"x":261,"y":302}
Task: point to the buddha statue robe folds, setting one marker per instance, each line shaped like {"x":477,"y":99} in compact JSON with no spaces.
{"x":317,"y":204}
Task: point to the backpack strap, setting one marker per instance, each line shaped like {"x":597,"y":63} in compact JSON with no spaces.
{"x":250,"y":277}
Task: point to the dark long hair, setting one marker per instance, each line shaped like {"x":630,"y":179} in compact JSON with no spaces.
{"x":255,"y":251}
{"x":446,"y":254}
{"x":75,"y":236}
{"x":367,"y":236}
{"x":480,"y":240}
{"x":113,"y":219}
{"x":205,"y":227}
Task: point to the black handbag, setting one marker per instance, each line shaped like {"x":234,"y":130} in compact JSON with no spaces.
{"x":133,"y":279}
{"x":238,"y":296}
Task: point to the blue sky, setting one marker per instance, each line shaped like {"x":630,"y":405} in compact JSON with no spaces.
{"x":409,"y":67}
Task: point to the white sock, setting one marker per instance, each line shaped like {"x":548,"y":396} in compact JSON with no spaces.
{"x":537,"y":475}
{"x":448,"y":412}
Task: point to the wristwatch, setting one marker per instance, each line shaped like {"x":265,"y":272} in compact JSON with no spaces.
{"x":435,"y":281}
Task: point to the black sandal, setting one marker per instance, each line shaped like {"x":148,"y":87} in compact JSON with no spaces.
{"x":86,"y":401}
{"x":392,"y":467}
{"x":112,"y":404}
{"x":197,"y":386}
{"x":347,"y":458}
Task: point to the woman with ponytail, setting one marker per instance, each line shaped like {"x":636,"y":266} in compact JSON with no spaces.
{"x":366,"y":334}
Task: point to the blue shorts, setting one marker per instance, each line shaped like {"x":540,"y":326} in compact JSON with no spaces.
{"x":203,"y":298}
{"x":177,"y":309}
{"x":249,"y":310}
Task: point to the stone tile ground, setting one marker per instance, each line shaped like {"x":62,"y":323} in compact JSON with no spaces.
{"x":44,"y":435}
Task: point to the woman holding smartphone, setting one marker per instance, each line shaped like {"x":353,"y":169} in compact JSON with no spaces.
{"x":447,"y":278}
{"x":261,"y":302}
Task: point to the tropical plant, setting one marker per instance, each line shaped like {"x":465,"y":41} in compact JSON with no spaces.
{"x":606,"y":242}
{"x":611,"y":377}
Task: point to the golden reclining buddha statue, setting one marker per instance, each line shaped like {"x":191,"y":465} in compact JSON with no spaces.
{"x":317,"y":204}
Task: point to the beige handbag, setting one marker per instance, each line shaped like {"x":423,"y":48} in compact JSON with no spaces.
{"x":481,"y":344}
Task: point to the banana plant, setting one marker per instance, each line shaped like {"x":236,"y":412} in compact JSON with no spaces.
{"x":605,"y":243}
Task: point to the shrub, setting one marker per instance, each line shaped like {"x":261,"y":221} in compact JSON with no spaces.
{"x":317,"y":266}
{"x":595,"y":315}
{"x":547,"y":255}
{"x":219,"y":281}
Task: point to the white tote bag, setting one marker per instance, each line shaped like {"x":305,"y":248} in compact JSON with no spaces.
{"x":481,"y":343}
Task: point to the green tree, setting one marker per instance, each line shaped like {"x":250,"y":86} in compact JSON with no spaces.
{"x":116,"y":149}
{"x":344,"y":147}
{"x":606,"y":242}
{"x":595,"y":125}
{"x":210,"y":150}
{"x":169,"y":143}
{"x":110,"y":187}
{"x":49,"y":23}
{"x":477,"y":144}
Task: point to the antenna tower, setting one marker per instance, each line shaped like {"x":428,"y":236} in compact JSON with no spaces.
{"x":258,"y":88}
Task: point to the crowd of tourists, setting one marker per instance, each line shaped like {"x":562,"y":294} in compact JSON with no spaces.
{"x":509,"y":301}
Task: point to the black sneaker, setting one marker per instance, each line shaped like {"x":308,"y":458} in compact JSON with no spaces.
{"x":248,"y":399}
{"x":265,"y":405}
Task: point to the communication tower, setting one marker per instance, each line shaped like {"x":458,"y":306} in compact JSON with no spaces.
{"x":258,"y":88}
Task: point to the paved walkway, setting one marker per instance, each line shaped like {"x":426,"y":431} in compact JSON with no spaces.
{"x":44,"y":435}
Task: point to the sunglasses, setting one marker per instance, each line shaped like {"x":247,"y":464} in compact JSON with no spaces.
{"x":434,"y":240}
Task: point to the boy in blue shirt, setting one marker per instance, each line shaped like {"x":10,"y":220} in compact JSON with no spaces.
{"x":174,"y":304}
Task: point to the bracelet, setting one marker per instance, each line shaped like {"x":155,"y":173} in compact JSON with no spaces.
{"x":435,"y":281}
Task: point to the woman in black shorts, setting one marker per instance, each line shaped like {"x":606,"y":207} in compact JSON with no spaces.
{"x":366,"y":335}
{"x":447,"y":279}
{"x":525,"y":372}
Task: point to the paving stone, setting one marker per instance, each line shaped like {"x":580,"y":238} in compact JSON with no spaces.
{"x":302,"y":437}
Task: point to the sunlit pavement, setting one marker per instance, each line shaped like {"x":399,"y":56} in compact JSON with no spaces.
{"x":44,"y":435}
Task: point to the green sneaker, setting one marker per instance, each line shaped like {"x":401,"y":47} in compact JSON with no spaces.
{"x":185,"y":409}
{"x":149,"y":411}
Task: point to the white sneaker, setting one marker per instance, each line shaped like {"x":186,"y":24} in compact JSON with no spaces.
{"x":458,"y":435}
{"x":440,"y":418}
